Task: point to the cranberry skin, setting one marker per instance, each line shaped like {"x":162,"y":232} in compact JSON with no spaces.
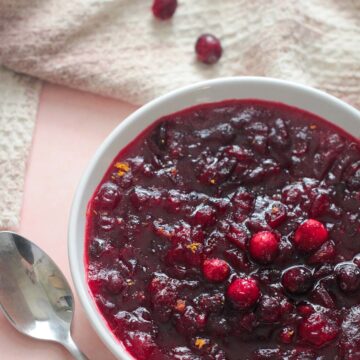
{"x":310,"y":235}
{"x":208,"y":49}
{"x":269,"y":309}
{"x":216,"y":270}
{"x":277,"y":215}
{"x":243,"y":293}
{"x":164,"y":9}
{"x":108,"y":196}
{"x":297,"y":280}
{"x":264,"y":246}
{"x":318,"y":329}
{"x":115,"y":283}
{"x":348,"y":277}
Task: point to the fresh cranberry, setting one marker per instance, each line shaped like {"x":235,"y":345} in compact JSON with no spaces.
{"x":208,"y":49}
{"x":164,"y":9}
{"x":310,"y":235}
{"x":216,"y":270}
{"x":108,"y":196}
{"x":297,"y":280}
{"x":243,"y":293}
{"x":348,"y":277}
{"x":318,"y":329}
{"x":264,"y":246}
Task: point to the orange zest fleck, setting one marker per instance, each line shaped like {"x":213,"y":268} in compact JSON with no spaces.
{"x":122,"y":167}
{"x":313,"y":127}
{"x":275,"y":209}
{"x":193,"y":246}
{"x":212,"y":181}
{"x":180,"y":305}
{"x":199,"y":343}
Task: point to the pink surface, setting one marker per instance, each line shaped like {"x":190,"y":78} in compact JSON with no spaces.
{"x":70,"y":126}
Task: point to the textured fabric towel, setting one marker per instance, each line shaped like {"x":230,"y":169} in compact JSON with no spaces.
{"x":116,"y":48}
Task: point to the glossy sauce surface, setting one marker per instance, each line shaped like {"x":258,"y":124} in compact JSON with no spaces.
{"x":221,"y":194}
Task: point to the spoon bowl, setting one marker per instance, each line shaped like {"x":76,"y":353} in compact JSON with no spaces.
{"x":34,"y":294}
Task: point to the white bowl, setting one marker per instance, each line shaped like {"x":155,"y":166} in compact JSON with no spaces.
{"x":303,"y":97}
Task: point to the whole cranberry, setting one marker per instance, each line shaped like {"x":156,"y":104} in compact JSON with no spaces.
{"x":264,"y":246}
{"x":208,"y":49}
{"x":164,"y":9}
{"x":318,"y":329}
{"x":348,"y":277}
{"x":310,"y":235}
{"x":243,"y":293}
{"x":297,"y":280}
{"x":216,"y":270}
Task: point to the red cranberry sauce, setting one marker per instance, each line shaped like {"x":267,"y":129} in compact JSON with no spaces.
{"x":231,"y":231}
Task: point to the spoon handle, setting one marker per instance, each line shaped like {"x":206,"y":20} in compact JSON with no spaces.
{"x":73,"y":349}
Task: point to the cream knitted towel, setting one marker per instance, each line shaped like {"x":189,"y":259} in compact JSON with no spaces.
{"x":116,"y":48}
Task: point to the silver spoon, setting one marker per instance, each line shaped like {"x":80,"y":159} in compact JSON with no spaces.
{"x":34,"y":294}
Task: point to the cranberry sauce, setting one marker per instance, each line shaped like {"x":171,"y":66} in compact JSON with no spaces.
{"x":231,"y":231}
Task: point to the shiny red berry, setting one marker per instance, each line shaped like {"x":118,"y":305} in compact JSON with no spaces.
{"x":310,"y":235}
{"x":164,"y":9}
{"x":216,"y":270}
{"x":208,"y":49}
{"x":264,"y":246}
{"x":243,"y":293}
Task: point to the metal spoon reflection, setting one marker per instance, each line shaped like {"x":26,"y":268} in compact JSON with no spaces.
{"x":34,"y":294}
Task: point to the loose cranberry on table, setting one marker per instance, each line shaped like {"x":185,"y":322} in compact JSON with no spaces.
{"x":208,"y":49}
{"x":227,"y":230}
{"x":164,"y":9}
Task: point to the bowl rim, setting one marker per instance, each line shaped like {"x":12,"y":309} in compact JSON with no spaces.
{"x":76,"y":211}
